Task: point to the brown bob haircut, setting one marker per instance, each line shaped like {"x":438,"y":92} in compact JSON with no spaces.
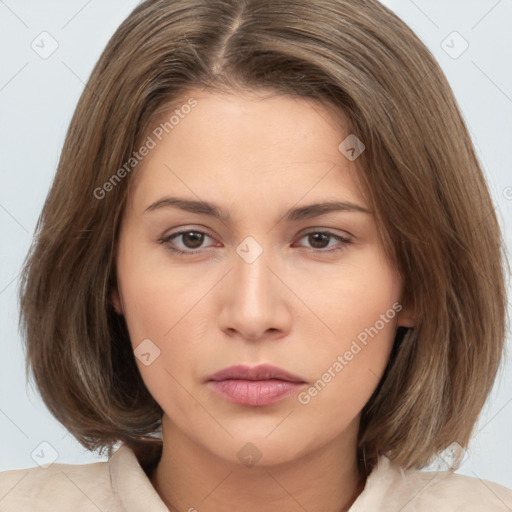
{"x":421,"y":177}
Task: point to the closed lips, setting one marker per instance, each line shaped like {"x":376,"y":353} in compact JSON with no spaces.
{"x":258,"y":386}
{"x":257,"y":373}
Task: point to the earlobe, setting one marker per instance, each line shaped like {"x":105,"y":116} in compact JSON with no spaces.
{"x":406,"y":322}
{"x":406,"y":317}
{"x":116,"y":302}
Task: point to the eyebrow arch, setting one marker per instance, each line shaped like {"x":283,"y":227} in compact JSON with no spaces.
{"x":292,"y":215}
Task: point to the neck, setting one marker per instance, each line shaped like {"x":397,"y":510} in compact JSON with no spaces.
{"x":190,"y":478}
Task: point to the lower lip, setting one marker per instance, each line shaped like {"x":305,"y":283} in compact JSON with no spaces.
{"x":254,"y":392}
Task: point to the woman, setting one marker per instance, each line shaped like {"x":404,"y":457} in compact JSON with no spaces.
{"x":268,"y":268}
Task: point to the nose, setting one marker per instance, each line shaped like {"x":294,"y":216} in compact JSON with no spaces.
{"x":255,"y":301}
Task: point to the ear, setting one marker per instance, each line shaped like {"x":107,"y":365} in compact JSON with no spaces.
{"x":406,"y":317}
{"x":116,"y":301}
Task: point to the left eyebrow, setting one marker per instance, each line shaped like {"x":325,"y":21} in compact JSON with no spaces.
{"x":317,"y":209}
{"x":292,"y":215}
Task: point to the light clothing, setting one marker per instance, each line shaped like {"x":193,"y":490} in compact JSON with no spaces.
{"x":122,"y":485}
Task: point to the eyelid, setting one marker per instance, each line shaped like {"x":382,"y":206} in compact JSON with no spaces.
{"x":306,"y":231}
{"x":342,"y":240}
{"x":331,"y":231}
{"x":166,"y":238}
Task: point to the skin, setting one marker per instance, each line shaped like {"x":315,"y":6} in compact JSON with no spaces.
{"x":298,"y":306}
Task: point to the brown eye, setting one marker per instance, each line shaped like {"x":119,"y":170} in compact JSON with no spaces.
{"x":193,"y":239}
{"x":185,"y":242}
{"x":319,"y":240}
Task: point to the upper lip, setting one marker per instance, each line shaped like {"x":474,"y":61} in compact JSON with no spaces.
{"x":260,"y":372}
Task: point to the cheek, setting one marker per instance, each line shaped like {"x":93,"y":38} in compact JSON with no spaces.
{"x":165,"y":316}
{"x":358,"y":296}
{"x":156,"y":297}
{"x":347,"y":376}
{"x":160,"y":313}
{"x":361,"y":307}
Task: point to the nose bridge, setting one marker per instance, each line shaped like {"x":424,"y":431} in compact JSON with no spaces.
{"x":253,"y":280}
{"x":254,"y":303}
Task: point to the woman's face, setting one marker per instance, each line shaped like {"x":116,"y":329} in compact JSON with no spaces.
{"x":257,"y":284}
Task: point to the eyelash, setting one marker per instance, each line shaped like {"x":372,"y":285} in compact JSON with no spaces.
{"x":165,"y":240}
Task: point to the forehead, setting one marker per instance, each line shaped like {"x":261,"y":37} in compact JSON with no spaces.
{"x":248,"y":147}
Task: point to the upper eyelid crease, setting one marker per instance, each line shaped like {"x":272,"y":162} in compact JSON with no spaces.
{"x":292,"y":215}
{"x":340,"y":238}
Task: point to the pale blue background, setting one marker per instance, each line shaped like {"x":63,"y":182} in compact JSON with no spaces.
{"x":37,"y":98}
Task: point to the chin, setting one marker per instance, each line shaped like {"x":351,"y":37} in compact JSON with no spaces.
{"x":261,"y":449}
